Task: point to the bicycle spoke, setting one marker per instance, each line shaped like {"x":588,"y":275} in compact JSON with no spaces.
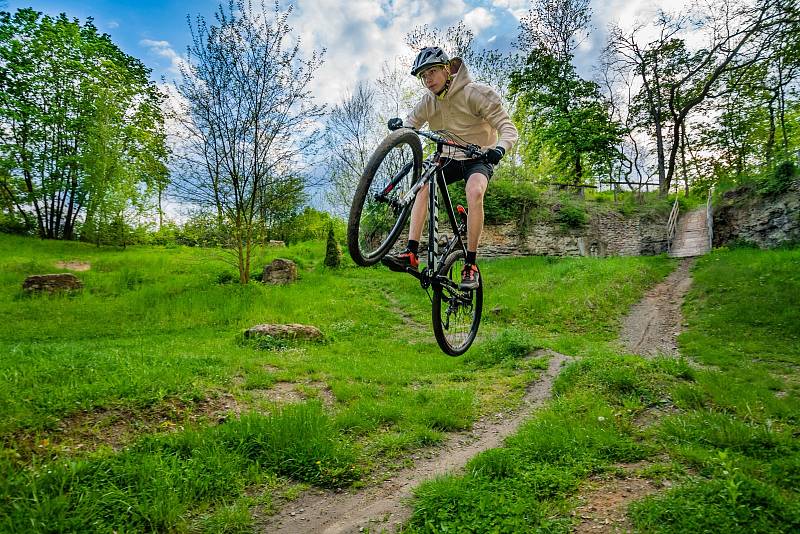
{"x":456,"y":313}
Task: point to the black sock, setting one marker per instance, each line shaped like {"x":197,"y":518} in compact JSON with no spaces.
{"x":471,"y":257}
{"x":413,"y":246}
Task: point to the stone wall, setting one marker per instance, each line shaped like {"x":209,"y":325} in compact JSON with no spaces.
{"x":606,"y":234}
{"x":743,"y":216}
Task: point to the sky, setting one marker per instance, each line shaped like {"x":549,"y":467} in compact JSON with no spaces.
{"x":358,"y":35}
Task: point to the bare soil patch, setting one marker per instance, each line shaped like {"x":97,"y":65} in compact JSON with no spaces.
{"x":74,"y":265}
{"x":652,"y":326}
{"x":384,"y":506}
{"x":88,"y":431}
{"x":292,"y":393}
{"x":604,"y":502}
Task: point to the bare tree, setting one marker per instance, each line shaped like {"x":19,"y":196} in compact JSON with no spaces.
{"x":675,"y":80}
{"x":247,"y":117}
{"x":353,"y":130}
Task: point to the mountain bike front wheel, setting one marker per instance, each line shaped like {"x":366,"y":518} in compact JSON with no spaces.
{"x":379,"y":213}
{"x":456,"y":313}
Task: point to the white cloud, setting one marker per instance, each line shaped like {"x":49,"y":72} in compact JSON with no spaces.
{"x":361,"y":34}
{"x":479,"y":19}
{"x":113,"y":25}
{"x":164,"y":49}
{"x":518,"y":8}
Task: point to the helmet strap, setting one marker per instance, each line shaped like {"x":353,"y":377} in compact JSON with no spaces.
{"x":443,"y":93}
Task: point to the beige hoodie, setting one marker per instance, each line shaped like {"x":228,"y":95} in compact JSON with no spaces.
{"x":471,"y":110}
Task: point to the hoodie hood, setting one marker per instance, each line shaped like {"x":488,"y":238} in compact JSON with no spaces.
{"x":473,"y":111}
{"x":459,"y":77}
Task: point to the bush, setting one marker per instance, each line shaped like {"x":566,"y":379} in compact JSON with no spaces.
{"x":779,"y":179}
{"x":333,"y":256}
{"x":571,"y":216}
{"x":13,"y":224}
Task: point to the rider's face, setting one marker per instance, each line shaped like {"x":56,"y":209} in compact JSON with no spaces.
{"x":434,"y":78}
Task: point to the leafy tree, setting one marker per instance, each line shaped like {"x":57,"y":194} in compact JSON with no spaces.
{"x":81,"y":124}
{"x":676,"y":80}
{"x":558,"y":109}
{"x":247,"y":119}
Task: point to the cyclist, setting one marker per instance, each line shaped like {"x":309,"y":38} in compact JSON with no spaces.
{"x":474,"y":112}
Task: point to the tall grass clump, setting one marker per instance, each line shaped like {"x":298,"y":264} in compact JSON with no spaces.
{"x":506,"y":348}
{"x":153,"y":484}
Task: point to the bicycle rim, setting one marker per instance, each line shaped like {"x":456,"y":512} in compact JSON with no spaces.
{"x":456,"y":313}
{"x":377,"y":218}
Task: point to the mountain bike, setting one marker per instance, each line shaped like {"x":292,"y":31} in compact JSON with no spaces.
{"x":382,"y":203}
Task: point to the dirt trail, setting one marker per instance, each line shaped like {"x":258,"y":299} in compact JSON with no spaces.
{"x":650,"y":329}
{"x":384,"y":507}
{"x":652,"y":326}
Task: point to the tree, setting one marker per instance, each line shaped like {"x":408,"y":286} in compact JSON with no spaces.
{"x":352,"y":132}
{"x":561,"y":114}
{"x":247,"y":118}
{"x":79,"y":121}
{"x":555,"y":26}
{"x":563,"y":111}
{"x":675,"y":79}
{"x":333,"y":256}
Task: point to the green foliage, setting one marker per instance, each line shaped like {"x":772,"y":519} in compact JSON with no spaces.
{"x":506,"y":200}
{"x":571,"y":215}
{"x":565,"y":112}
{"x":778,"y":180}
{"x":86,"y":132}
{"x":307,"y":225}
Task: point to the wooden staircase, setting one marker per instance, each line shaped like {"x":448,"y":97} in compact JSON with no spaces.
{"x":691,"y":235}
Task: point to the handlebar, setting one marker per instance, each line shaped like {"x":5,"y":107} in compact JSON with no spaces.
{"x":473,"y":151}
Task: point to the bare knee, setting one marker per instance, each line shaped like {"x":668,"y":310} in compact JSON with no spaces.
{"x":475,"y":190}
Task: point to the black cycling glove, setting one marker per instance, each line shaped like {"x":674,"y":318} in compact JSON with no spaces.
{"x":493,"y":155}
{"x":395,"y":123}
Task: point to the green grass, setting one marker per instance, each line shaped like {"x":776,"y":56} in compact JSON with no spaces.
{"x":732,"y":450}
{"x":739,"y":420}
{"x":154,"y":342}
{"x":155,"y":336}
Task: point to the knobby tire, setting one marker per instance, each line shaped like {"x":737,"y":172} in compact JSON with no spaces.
{"x":374,"y":225}
{"x":455,"y":331}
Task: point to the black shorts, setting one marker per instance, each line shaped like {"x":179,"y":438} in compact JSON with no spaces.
{"x":455,"y":170}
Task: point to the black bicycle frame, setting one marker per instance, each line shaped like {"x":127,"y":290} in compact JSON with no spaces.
{"x":435,"y":178}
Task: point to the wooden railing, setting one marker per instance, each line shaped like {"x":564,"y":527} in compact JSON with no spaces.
{"x":710,"y":219}
{"x":672,"y":223}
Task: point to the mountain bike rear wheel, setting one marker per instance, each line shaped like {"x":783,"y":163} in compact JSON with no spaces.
{"x":377,"y":215}
{"x":456,"y":313}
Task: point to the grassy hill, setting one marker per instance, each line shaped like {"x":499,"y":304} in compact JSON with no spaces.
{"x":137,"y":404}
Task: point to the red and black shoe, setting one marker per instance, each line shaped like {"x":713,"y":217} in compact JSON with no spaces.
{"x":470,"y":277}
{"x":402,"y":262}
